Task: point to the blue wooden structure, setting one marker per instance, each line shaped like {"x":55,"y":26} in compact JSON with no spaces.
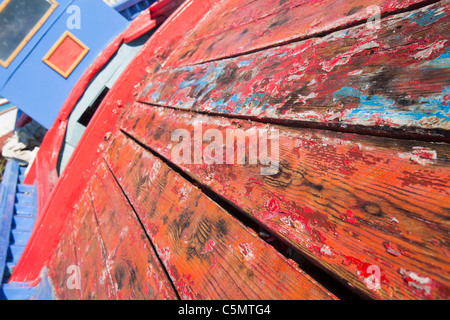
{"x":36,"y":88}
{"x":18,"y":215}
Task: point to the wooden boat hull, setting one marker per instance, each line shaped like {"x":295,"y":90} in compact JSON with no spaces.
{"x":357,"y":208}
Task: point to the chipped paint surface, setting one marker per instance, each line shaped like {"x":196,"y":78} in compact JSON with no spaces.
{"x":388,"y":77}
{"x":371,"y":210}
{"x":330,"y":200}
{"x":423,"y":286}
{"x":193,"y":235}
{"x":246,"y":251}
{"x":237,"y":26}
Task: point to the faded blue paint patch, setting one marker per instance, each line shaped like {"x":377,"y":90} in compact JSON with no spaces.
{"x":444,"y":102}
{"x":347,"y":92}
{"x":377,"y":101}
{"x":244,"y":63}
{"x":387,"y":110}
{"x":441,"y":62}
{"x":219,"y":106}
{"x":145,"y":92}
{"x":370,"y":106}
{"x":445,"y":55}
{"x":254,"y":100}
{"x":428,"y":18}
{"x":155,"y":95}
{"x":437,"y":105}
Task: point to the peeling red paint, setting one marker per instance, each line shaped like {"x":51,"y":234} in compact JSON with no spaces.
{"x":424,"y":153}
{"x":349,"y":217}
{"x":391,"y":250}
{"x":246,"y":250}
{"x":363,"y":267}
{"x":304,"y":202}
{"x":209,"y":246}
{"x":273,"y":205}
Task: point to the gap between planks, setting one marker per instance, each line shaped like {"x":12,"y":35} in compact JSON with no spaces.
{"x":385,"y":131}
{"x":324,"y":277}
{"x":143,"y":229}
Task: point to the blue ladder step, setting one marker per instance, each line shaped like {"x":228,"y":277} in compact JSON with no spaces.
{"x":8,"y":190}
{"x":9,"y":268}
{"x":24,"y":210}
{"x":23,"y":198}
{"x":17,"y":291}
{"x":22,"y":170}
{"x":14,"y":253}
{"x":18,"y":213}
{"x":44,"y":290}
{"x":23,"y":223}
{"x":20,"y":238}
{"x":24,"y":188}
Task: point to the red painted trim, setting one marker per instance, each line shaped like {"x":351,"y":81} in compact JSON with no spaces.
{"x":165,"y":8}
{"x":139,"y":26}
{"x":23,"y":120}
{"x":135,"y":30}
{"x":159,"y":5}
{"x":4,"y":138}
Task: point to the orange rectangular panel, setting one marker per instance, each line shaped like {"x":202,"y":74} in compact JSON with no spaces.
{"x":66,"y":54}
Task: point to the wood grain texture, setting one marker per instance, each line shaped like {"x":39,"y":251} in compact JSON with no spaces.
{"x":108,"y":246}
{"x":81,"y":258}
{"x":64,"y":257}
{"x":132,"y":263}
{"x":207,"y":253}
{"x":352,"y":203}
{"x":397,"y":77}
{"x":347,"y":201}
{"x":96,"y":283}
{"x":236,"y":26}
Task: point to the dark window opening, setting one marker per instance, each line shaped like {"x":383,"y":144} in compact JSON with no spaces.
{"x":90,"y":111}
{"x":19,"y":21}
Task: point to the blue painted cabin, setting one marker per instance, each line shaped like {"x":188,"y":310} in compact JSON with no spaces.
{"x":26,"y":80}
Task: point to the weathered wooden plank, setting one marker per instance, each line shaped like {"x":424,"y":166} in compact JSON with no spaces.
{"x":78,"y":269}
{"x":397,"y":77}
{"x":132,"y":263}
{"x":234,"y":27}
{"x":64,"y":257}
{"x":207,"y":253}
{"x":350,"y":202}
{"x":92,"y":266}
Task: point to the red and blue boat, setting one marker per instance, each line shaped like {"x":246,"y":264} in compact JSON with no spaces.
{"x":354,"y":96}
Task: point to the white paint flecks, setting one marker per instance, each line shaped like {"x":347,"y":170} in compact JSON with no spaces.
{"x":246,"y":251}
{"x":428,"y":51}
